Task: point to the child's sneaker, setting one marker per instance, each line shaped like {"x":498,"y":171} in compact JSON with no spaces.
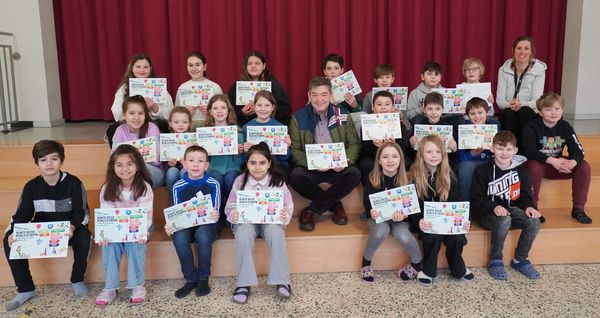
{"x":424,"y":280}
{"x":106,"y":297}
{"x":407,"y":273}
{"x":138,"y":295}
{"x":367,"y":275}
{"x":468,"y":276}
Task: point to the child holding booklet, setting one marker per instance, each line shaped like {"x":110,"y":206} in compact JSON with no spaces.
{"x":196,"y":67}
{"x":469,"y":159}
{"x":195,"y":182}
{"x":225,"y":168}
{"x":255,"y":69}
{"x":435,"y":181}
{"x":65,"y":200}
{"x":502,"y":197}
{"x":126,"y":186}
{"x":180,"y":121}
{"x":265,"y":106}
{"x":473,"y":69}
{"x":389,"y":173}
{"x":383,"y":76}
{"x":139,"y":125}
{"x":260,"y":175}
{"x":333,"y":66}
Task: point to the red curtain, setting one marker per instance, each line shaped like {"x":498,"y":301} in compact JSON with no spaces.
{"x":95,"y":40}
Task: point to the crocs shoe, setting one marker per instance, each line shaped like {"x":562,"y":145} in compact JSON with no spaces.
{"x":138,"y":295}
{"x":496,"y":269}
{"x":106,"y":297}
{"x":524,"y":267}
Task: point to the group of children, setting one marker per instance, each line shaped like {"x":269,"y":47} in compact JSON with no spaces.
{"x":496,"y":182}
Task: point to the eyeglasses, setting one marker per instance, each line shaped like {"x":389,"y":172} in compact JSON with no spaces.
{"x":472,"y":69}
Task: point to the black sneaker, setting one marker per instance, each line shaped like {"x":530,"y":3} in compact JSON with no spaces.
{"x":579,"y":215}
{"x":185,"y":290}
{"x":202,"y":289}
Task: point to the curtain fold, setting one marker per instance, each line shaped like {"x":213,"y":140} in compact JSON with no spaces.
{"x":95,"y":40}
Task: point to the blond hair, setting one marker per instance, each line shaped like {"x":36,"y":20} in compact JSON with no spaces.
{"x":419,"y":172}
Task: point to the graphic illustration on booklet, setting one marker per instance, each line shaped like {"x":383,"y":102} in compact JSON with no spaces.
{"x":40,"y":240}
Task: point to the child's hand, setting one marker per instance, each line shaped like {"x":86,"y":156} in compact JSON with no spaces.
{"x":398,"y":216}
{"x":152,"y":106}
{"x":10,"y":240}
{"x":192,"y":109}
{"x":103,"y":243}
{"x":71,"y":231}
{"x":235,"y":216}
{"x":240,"y":149}
{"x":374,"y":214}
{"x":287,"y":140}
{"x":351,"y":100}
{"x":490,"y":99}
{"x":214,"y":215}
{"x":323,"y":169}
{"x":554,"y":162}
{"x":142,"y":240}
{"x":378,"y":142}
{"x":283,"y":215}
{"x":501,"y":211}
{"x":467,"y":226}
{"x":413,"y":141}
{"x":567,"y":166}
{"x":168,"y":230}
{"x":338,"y":168}
{"x":202,"y":108}
{"x":476,"y":152}
{"x":452,"y":145}
{"x":248,"y":109}
{"x":532,"y":213}
{"x":247,"y":146}
{"x":425,"y":225}
{"x":172,"y":162}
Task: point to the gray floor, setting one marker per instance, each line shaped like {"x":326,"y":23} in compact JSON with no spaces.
{"x":563,"y":291}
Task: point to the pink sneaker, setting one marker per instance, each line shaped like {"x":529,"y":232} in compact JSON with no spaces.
{"x":138,"y":295}
{"x":106,"y":297}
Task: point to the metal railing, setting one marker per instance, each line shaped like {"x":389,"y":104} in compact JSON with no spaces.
{"x":9,"y":113}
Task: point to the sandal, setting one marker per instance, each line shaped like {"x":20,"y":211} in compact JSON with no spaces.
{"x":407,"y":273}
{"x":284,"y":291}
{"x":240,"y":294}
{"x":424,"y":280}
{"x":138,"y":295}
{"x":496,"y":269}
{"x":367,"y":275}
{"x":524,"y":267}
{"x":106,"y":297}
{"x":580,"y":216}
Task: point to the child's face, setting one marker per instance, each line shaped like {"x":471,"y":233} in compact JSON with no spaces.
{"x":320,"y":97}
{"x":385,"y":80}
{"x":258,"y":166}
{"x":472,"y":73}
{"x":263,"y":109}
{"x":219,"y":111}
{"x":432,"y":155}
{"x":433,"y":112}
{"x":180,"y":122}
{"x":431,"y":79}
{"x":50,"y":164}
{"x":125,"y":168}
{"x":522,"y":52}
{"x":333,"y":70}
{"x":255,"y":66}
{"x":141,"y":69}
{"x":134,"y":116}
{"x":195,"y":68}
{"x":477,"y":115}
{"x":383,"y":105}
{"x":551,"y":115}
{"x":389,"y":161}
{"x":503,"y":154}
{"x":196,"y":164}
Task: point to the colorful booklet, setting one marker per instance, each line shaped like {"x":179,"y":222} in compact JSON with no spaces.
{"x":380,"y":126}
{"x":196,"y":94}
{"x":154,"y":88}
{"x":345,"y":83}
{"x":403,"y":199}
{"x":117,"y":225}
{"x":259,"y":207}
{"x":148,"y":147}
{"x":326,"y":156}
{"x":446,"y":217}
{"x":481,"y":90}
{"x":443,"y":131}
{"x":196,"y":211}
{"x":173,"y":146}
{"x":272,"y":135}
{"x":218,"y":140}
{"x":476,"y":136}
{"x":40,"y":240}
{"x":400,"y":95}
{"x":455,"y":100}
{"x":245,"y":90}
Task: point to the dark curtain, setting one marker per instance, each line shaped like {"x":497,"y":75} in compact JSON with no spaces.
{"x":95,"y":40}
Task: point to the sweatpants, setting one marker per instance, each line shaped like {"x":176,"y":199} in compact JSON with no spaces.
{"x":580,"y":186}
{"x":378,"y":232}
{"x":454,"y":246}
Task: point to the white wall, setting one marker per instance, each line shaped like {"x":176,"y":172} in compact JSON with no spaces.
{"x":38,"y":83}
{"x":581,"y":63}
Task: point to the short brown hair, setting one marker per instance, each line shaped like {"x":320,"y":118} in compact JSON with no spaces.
{"x":335,"y":58}
{"x":196,"y":148}
{"x":504,"y":137}
{"x":319,"y":81}
{"x":383,"y":94}
{"x":473,"y":60}
{"x":45,"y":147}
{"x":433,"y":98}
{"x":476,"y":102}
{"x":383,"y":69}
{"x":548,"y":99}
{"x":268,"y":96}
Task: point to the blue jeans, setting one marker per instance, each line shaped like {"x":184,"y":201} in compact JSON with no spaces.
{"x":204,"y":236}
{"x":157,"y":174}
{"x":226,"y":182}
{"x":173,"y":175}
{"x":465,"y":175}
{"x":136,"y":260}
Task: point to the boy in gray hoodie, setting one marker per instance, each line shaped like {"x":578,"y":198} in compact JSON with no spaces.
{"x":431,"y":75}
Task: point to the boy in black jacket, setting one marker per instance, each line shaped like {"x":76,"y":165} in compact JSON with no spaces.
{"x":544,"y":139}
{"x":502,"y":199}
{"x":52,"y":196}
